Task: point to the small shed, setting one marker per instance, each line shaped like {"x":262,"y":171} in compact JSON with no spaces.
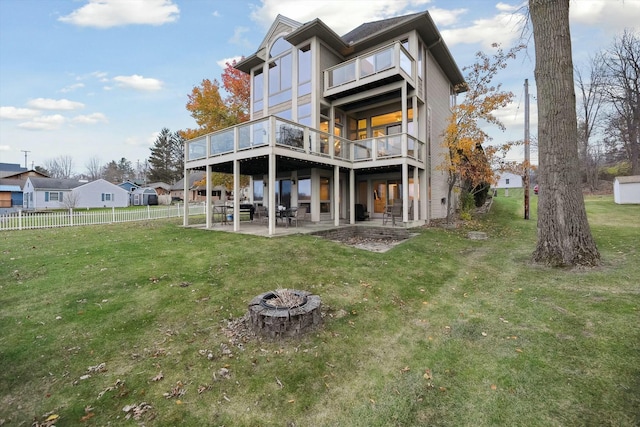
{"x":144,"y":196}
{"x":626,"y":189}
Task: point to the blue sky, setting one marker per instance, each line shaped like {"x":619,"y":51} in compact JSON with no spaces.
{"x":100,"y":78}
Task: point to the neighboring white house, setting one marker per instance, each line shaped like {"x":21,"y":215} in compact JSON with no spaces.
{"x":626,"y":189}
{"x":51,"y":193}
{"x":509,"y":180}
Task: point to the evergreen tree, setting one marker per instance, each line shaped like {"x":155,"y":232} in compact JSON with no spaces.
{"x":166,"y":162}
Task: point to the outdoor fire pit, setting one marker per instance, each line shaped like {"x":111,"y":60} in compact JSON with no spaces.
{"x":285,"y":313}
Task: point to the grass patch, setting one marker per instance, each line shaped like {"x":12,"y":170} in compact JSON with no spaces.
{"x":440,"y":330}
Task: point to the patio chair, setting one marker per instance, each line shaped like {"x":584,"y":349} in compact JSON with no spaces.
{"x":396,"y":212}
{"x":298,"y":215}
{"x":261,"y":213}
{"x":386,"y":215}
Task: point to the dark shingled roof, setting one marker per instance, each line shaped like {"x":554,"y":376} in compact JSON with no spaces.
{"x":54,"y":183}
{"x":369,"y":28}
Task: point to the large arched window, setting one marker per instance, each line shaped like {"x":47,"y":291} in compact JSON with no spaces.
{"x":280,"y":70}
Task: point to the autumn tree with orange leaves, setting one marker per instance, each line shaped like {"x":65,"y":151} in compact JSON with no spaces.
{"x":211,"y":110}
{"x":468,"y":161}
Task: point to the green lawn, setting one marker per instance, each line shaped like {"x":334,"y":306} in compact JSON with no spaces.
{"x":440,"y":330}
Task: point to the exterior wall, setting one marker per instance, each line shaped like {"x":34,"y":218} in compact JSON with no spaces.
{"x":438,"y":100}
{"x":515,"y":181}
{"x":626,"y":192}
{"x":90,"y":195}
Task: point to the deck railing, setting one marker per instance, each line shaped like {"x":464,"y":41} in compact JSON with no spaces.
{"x":365,"y":68}
{"x":275,"y":131}
{"x":23,"y":220}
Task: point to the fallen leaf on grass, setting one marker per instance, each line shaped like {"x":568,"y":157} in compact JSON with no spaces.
{"x":136,"y":411}
{"x":102,"y":367}
{"x":494,"y":387}
{"x":405,"y":369}
{"x":87,"y":417}
{"x":176,"y":391}
{"x":518,"y":350}
{"x":158,"y":377}
{"x":427,"y":374}
{"x":118,"y":385}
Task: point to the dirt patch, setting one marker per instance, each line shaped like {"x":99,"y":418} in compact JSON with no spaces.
{"x":373,"y":239}
{"x":370,"y":244}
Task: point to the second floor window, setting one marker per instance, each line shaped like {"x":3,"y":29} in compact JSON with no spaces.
{"x":280,"y":70}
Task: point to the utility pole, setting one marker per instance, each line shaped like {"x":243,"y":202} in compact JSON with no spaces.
{"x":25,"y":158}
{"x":527,"y":154}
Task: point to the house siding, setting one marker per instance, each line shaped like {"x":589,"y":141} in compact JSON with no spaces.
{"x":437,"y":96}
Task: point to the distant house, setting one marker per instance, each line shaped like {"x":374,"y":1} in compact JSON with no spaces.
{"x":161,"y":188}
{"x":15,"y":171}
{"x":143,"y":196}
{"x":626,"y":189}
{"x":129,"y":185}
{"x":509,"y":180}
{"x":11,"y":192}
{"x":51,"y":193}
{"x":177,"y":190}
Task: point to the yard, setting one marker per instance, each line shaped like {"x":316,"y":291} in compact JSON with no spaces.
{"x":139,"y":323}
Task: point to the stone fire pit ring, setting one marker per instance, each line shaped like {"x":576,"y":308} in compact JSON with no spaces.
{"x":275,"y":321}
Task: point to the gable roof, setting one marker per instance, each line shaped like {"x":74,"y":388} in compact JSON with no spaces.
{"x":367,"y":36}
{"x":193,"y":178}
{"x":370,"y":28}
{"x":54,"y":183}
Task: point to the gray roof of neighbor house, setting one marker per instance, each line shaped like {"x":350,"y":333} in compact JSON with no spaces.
{"x":55,"y":183}
{"x":371,"y":34}
{"x":193,"y":178}
{"x":13,"y":181}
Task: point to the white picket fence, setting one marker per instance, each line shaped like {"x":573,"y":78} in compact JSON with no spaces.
{"x":24,"y":220}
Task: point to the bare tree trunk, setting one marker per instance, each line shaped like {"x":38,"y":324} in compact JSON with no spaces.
{"x":564,"y":237}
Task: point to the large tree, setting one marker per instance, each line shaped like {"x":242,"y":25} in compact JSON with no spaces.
{"x":622,"y":70}
{"x":167,"y":157}
{"x":211,"y":110}
{"x":564,"y":236}
{"x":60,"y":167}
{"x":117,"y":172}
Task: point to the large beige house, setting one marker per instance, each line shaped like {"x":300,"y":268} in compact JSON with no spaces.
{"x":341,"y":120}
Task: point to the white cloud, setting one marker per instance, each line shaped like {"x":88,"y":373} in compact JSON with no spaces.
{"x":13,"y":113}
{"x":113,"y":13}
{"x":138,"y":83}
{"x":445,"y":17}
{"x":238,"y":39}
{"x":52,"y":122}
{"x":503,"y":28}
{"x":611,"y":15}
{"x":72,"y":87}
{"x":223,"y":62}
{"x":100,"y":75}
{"x":90,"y":118}
{"x":216,"y":14}
{"x":54,"y":104}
